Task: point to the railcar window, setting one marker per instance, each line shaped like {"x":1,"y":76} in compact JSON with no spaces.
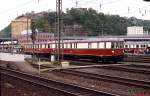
{"x":43,"y":45}
{"x":132,"y":46}
{"x":120,"y":44}
{"x":94,"y":45}
{"x":137,"y":46}
{"x":48,"y":45}
{"x":126,"y":46}
{"x":65,"y":45}
{"x":53,"y":45}
{"x":112,"y":45}
{"x":116,"y":45}
{"x":89,"y":45}
{"x":108,"y":44}
{"x":35,"y":45}
{"x":82,"y":45}
{"x":32,"y":46}
{"x":68,"y":45}
{"x":101,"y":45}
{"x":75,"y":44}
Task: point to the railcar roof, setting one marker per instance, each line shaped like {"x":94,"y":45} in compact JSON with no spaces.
{"x":86,"y":40}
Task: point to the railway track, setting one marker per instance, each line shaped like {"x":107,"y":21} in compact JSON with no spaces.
{"x":120,"y":80}
{"x":147,"y":67}
{"x":137,"y":68}
{"x":112,"y":85}
{"x":138,"y":58}
{"x":68,"y":89}
{"x":128,"y":69}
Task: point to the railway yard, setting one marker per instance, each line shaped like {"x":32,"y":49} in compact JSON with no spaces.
{"x":75,"y":48}
{"x":79,"y":79}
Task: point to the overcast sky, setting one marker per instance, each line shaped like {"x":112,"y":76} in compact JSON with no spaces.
{"x":10,"y":9}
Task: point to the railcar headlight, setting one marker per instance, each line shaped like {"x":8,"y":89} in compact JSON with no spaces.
{"x":113,"y":51}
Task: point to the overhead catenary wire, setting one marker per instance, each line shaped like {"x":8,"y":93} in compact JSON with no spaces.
{"x":16,"y":7}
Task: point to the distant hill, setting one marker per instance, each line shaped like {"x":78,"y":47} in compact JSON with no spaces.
{"x":6,"y":32}
{"x":92,"y":22}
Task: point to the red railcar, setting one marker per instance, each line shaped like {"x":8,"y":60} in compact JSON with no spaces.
{"x":97,"y":50}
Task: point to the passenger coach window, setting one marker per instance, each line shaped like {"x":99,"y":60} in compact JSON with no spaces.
{"x":82,"y":45}
{"x":75,"y":44}
{"x":89,"y":45}
{"x":43,"y":46}
{"x":137,"y":46}
{"x":94,"y":45}
{"x":48,"y":45}
{"x":108,"y":44}
{"x":101,"y":45}
{"x":112,"y":45}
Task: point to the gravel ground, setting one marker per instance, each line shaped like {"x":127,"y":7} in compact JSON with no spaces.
{"x":14,"y":87}
{"x":116,"y":73}
{"x":20,"y":65}
{"x":138,"y":68}
{"x":123,"y":90}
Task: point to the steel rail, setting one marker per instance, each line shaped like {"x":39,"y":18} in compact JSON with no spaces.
{"x":121,"y":68}
{"x":71,"y":89}
{"x":140,"y":66}
{"x":125,"y":81}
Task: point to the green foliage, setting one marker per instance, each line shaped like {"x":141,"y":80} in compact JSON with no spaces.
{"x":94,"y":22}
{"x":6,"y":32}
{"x":100,"y":24}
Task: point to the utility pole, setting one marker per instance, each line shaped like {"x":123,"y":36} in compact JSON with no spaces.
{"x":102,"y":30}
{"x":76,"y":3}
{"x":59,"y":26}
{"x":27,"y":28}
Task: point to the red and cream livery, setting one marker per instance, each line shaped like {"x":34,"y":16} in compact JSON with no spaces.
{"x":95,"y":49}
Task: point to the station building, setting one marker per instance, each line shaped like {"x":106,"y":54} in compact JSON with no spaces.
{"x":40,"y":37}
{"x":136,"y":31}
{"x":18,"y":25}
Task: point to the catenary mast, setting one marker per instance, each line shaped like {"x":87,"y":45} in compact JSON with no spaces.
{"x":58,"y":27}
